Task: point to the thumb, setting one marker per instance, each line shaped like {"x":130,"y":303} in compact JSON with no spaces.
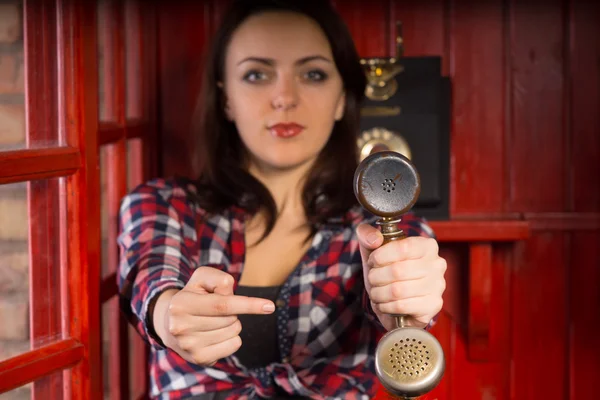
{"x":369,"y":239}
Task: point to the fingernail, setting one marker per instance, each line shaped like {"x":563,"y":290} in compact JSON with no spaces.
{"x":269,"y":307}
{"x":372,"y":238}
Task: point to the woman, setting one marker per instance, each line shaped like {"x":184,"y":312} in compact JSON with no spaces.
{"x":263,"y":277}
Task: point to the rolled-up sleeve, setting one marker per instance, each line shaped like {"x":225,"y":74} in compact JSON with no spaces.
{"x":155,"y":251}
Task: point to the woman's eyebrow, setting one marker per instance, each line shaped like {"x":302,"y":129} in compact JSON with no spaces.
{"x":304,"y":60}
{"x":270,"y":61}
{"x":266,"y":61}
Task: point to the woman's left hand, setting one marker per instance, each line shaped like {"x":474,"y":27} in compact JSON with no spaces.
{"x":402,"y":277}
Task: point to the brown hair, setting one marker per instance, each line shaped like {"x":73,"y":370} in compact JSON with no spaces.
{"x":224,"y":182}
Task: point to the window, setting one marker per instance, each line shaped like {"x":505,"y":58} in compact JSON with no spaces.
{"x":64,"y":110}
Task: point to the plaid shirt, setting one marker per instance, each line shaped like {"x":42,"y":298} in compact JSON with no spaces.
{"x":327,"y":333}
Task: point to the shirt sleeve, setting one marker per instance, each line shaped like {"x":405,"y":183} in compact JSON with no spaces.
{"x":155,"y":245}
{"x":412,"y":225}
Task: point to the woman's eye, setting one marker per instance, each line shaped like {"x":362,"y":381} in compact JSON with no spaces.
{"x":255,"y":76}
{"x":316,"y":75}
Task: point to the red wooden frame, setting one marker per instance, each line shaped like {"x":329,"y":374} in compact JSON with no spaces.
{"x":60,"y":165}
{"x":45,"y":285}
{"x":31,"y":164}
{"x":42,"y":362}
{"x":59,"y":31}
{"x":78,"y":120}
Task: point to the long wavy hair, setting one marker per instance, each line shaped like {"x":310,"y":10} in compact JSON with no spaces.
{"x":224,"y":180}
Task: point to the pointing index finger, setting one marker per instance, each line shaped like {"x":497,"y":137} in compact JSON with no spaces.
{"x":222,"y":305}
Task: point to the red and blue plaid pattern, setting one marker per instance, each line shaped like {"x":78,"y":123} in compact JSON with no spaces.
{"x":327,"y":333}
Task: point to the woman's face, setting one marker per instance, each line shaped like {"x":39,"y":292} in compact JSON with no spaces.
{"x":283,"y":90}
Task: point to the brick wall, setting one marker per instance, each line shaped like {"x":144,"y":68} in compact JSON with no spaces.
{"x":14,"y":262}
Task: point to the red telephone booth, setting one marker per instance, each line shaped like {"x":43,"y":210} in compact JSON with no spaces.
{"x":87,"y":112}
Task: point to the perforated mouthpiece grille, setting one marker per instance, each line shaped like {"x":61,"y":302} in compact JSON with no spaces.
{"x":409,"y":357}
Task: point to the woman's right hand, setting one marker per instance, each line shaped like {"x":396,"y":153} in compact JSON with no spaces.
{"x":200,"y":321}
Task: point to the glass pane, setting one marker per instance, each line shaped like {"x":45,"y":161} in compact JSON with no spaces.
{"x":111,"y":316}
{"x":29,"y":265}
{"x":134,"y":74}
{"x":112,"y":320}
{"x":14,"y":270}
{"x":135,"y":165}
{"x":42,"y":128}
{"x":112,"y":159}
{"x":12,"y":83}
{"x":48,"y":387}
{"x":110,"y":41}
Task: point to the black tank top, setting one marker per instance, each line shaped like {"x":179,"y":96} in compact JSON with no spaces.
{"x":259,"y":341}
{"x":259,"y":332}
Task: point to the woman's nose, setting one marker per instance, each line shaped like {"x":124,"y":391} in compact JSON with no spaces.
{"x":285,"y":96}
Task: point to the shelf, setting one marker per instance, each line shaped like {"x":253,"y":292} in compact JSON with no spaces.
{"x":480,"y":230}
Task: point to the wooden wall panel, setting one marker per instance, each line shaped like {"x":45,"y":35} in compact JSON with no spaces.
{"x":500,"y":340}
{"x":217,"y":10}
{"x":536,"y":138}
{"x":473,"y":381}
{"x":478,"y":114}
{"x":455,"y":300}
{"x":478,"y":379}
{"x":584,"y":315}
{"x":539,"y":313}
{"x":443,"y":330}
{"x":183,"y":31}
{"x":584,"y":118}
{"x":584,"y":144}
{"x":368,"y":22}
{"x":424,"y":28}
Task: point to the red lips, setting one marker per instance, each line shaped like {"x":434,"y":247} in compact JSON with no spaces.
{"x":286,"y":130}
